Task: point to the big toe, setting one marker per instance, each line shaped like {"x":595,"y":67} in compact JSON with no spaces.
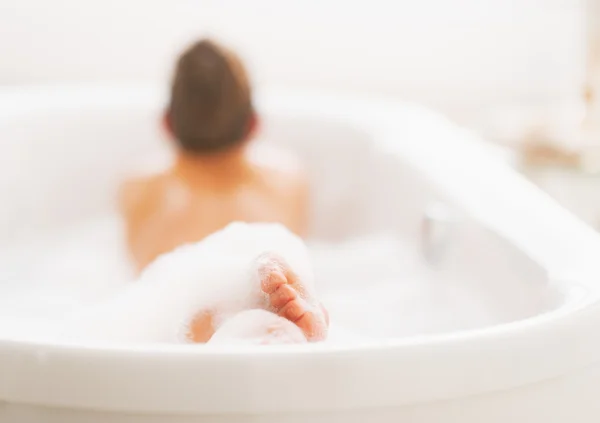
{"x":309,"y":318}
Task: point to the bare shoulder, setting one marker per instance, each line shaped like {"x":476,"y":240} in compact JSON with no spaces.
{"x":136,"y":192}
{"x":281,"y":168}
{"x":143,"y":182}
{"x":285,"y":178}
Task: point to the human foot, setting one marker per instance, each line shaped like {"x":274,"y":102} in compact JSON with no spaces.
{"x":288,"y":297}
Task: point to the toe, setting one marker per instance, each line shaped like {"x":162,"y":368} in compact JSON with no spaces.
{"x":272,"y":280}
{"x":271,"y":263}
{"x":313,"y":326}
{"x":312,"y":323}
{"x":293,"y":310}
{"x":282,"y":296}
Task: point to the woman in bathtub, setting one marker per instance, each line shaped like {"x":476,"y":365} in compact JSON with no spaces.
{"x":218,"y":177}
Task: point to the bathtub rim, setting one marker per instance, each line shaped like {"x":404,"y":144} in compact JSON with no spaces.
{"x":495,"y":349}
{"x":535,"y":334}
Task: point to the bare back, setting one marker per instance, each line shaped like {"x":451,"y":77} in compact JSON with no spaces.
{"x":166,"y":210}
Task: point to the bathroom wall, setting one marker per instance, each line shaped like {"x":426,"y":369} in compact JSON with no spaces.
{"x":458,"y":55}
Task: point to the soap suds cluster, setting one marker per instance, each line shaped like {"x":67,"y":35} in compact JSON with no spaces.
{"x":76,"y":285}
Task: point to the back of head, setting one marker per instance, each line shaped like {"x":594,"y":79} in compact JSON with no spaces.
{"x":211,"y":103}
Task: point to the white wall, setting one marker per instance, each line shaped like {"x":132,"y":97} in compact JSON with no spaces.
{"x":459,"y":55}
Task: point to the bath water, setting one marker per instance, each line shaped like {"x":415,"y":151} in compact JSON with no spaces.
{"x":374,"y":287}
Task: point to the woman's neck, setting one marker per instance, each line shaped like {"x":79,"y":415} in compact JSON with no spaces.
{"x":224,"y":168}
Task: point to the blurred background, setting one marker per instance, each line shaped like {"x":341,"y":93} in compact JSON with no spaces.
{"x":501,"y":67}
{"x":463,"y":57}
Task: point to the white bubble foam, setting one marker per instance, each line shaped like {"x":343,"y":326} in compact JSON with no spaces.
{"x":220,"y":273}
{"x":257,"y":327}
{"x":76,"y":284}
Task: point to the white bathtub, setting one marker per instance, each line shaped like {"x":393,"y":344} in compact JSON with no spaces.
{"x":375,"y":166}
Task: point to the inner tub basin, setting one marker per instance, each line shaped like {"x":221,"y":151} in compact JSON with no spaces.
{"x":465,"y":294}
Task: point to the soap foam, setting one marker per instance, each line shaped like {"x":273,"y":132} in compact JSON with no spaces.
{"x":77,"y":284}
{"x":257,"y":327}
{"x":219,"y":273}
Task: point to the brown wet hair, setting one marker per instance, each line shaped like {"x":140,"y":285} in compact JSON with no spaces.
{"x":211,"y":104}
